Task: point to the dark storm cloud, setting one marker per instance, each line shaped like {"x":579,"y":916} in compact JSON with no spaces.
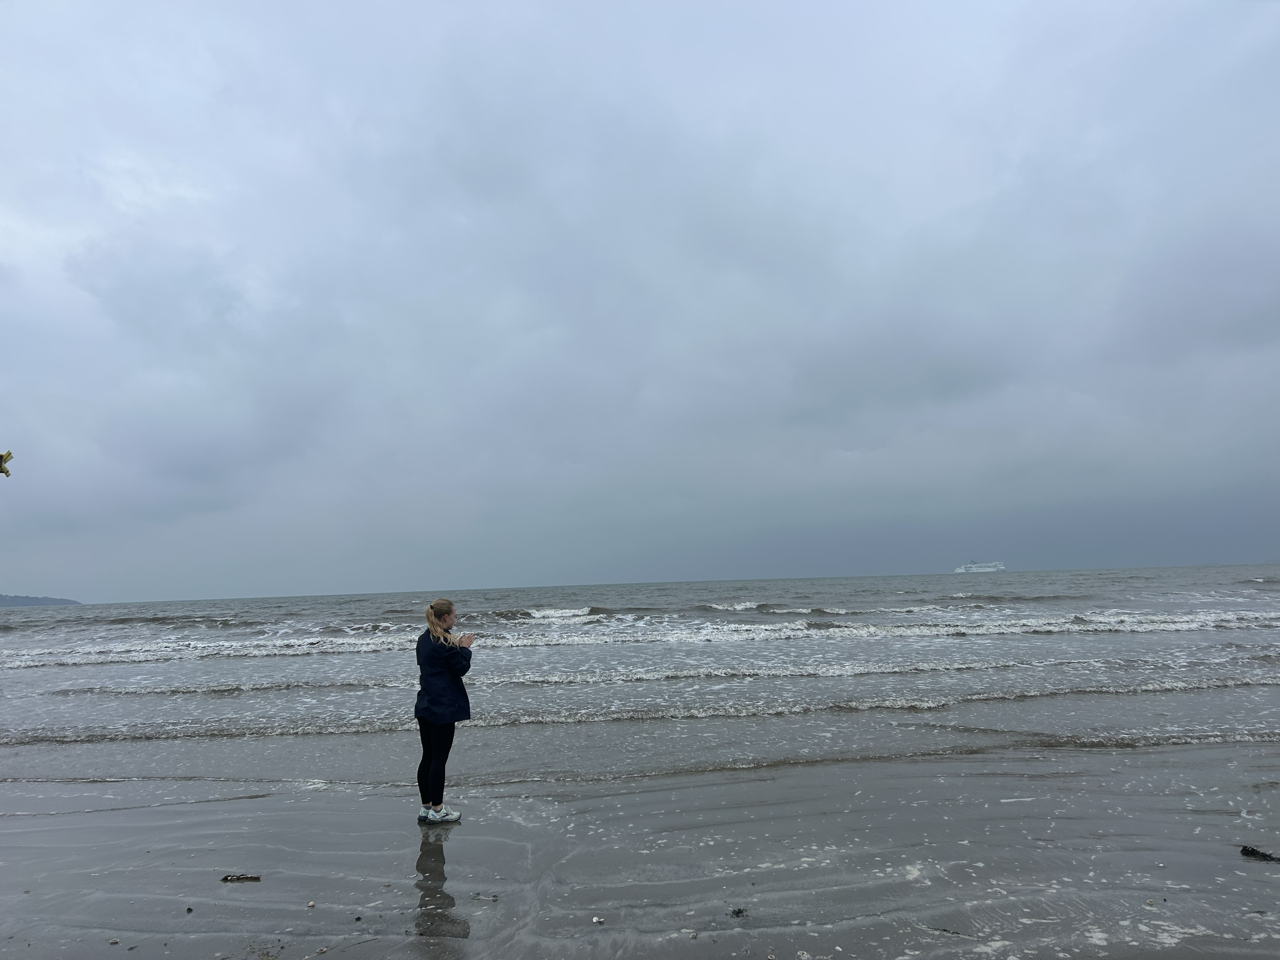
{"x":296,"y":297}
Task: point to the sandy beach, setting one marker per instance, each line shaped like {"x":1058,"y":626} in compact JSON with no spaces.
{"x":1119,"y":853}
{"x":1062,"y":765}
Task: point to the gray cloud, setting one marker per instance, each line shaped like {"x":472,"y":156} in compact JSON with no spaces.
{"x":301,"y":302}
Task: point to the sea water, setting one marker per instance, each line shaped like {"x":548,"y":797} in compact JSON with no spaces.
{"x":597,"y":682}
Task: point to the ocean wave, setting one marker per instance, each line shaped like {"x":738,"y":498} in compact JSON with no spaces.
{"x":560,"y":613}
{"x":661,"y":673}
{"x":168,"y":649}
{"x":397,"y":720}
{"x":743,"y":672}
{"x":809,"y":670}
{"x":782,"y":609}
{"x":566,"y":614}
{"x":179,"y":621}
{"x":409,"y":682}
{"x":810,"y":611}
{"x":1095,"y":622}
{"x":649,"y":633}
{"x":1006,"y":598}
{"x":1151,"y":686}
{"x":700,"y":711}
{"x":552,"y":679}
{"x":394,"y":637}
{"x":203,"y":730}
{"x":179,"y":630}
{"x":1078,"y":623}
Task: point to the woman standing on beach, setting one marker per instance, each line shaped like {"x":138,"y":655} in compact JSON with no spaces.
{"x":442,"y":702}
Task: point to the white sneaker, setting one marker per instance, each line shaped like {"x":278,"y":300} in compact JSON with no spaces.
{"x":443,"y":815}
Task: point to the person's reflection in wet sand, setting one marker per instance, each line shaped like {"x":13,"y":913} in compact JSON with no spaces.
{"x":435,"y":917}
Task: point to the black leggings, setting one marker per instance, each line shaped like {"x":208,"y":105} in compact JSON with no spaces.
{"x":437,"y":740}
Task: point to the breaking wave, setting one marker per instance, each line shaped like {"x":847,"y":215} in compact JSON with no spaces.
{"x":395,"y":719}
{"x":379,"y":638}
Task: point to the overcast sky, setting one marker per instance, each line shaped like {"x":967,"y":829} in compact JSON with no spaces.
{"x":319,"y":297}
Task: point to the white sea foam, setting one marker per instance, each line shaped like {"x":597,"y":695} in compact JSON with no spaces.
{"x":827,"y":611}
{"x":396,"y":720}
{"x":163,"y":649}
{"x":748,"y":671}
{"x":160,"y":649}
{"x":496,"y":677}
{"x":407,"y":682}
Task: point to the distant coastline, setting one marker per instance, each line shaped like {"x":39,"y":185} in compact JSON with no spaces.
{"x":8,"y":601}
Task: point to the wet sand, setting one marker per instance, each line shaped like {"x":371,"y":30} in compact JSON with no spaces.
{"x":1086,"y":853}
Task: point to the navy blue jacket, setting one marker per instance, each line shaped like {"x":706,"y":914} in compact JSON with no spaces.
{"x":441,"y":696}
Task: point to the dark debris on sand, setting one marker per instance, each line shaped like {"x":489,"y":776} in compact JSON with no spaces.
{"x":1253,"y":853}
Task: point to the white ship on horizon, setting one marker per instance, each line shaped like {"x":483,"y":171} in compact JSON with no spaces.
{"x":995,"y":566}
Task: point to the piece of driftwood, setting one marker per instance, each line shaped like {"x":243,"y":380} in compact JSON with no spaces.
{"x":241,"y":878}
